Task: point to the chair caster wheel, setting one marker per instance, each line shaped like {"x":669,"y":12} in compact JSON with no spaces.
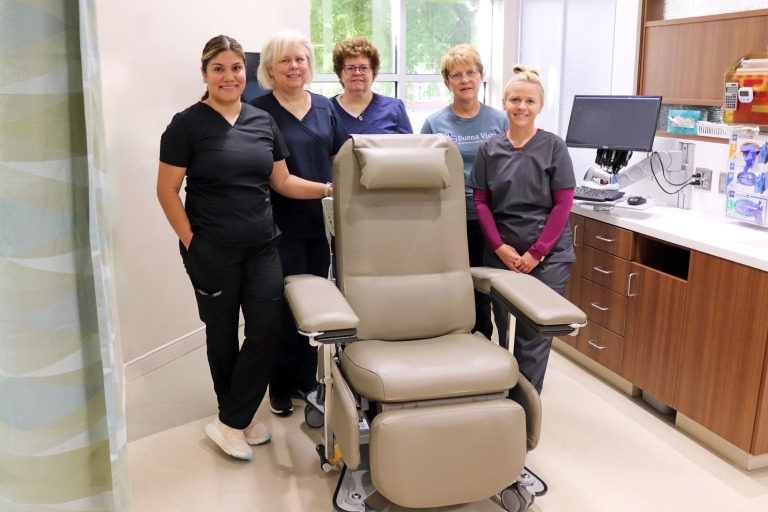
{"x":313,"y":417}
{"x":328,"y":464}
{"x":515,"y":499}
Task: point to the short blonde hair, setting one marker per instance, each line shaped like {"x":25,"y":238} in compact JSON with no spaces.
{"x":523,"y":73}
{"x":460,"y":55}
{"x":276,"y":48}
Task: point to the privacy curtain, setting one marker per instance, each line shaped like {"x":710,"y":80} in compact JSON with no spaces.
{"x":62,"y":424}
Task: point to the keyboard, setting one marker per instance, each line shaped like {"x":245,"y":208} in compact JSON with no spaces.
{"x":583,"y":193}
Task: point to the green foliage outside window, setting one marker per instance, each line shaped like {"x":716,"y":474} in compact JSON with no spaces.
{"x":432,"y":27}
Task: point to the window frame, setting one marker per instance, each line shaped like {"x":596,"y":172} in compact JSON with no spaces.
{"x":400,"y":79}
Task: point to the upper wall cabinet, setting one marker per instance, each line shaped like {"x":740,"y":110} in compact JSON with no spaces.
{"x":684,"y":60}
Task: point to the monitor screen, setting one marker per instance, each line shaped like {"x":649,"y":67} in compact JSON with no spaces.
{"x":626,"y":123}
{"x":252,"y":87}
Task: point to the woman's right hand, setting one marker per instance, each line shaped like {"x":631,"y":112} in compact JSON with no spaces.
{"x":187,"y":241}
{"x":508,"y":256}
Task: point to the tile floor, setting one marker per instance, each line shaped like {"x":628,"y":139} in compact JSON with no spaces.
{"x":600,"y":451}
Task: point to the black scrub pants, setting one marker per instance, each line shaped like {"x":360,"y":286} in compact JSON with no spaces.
{"x":296,"y":361}
{"x":532,"y":350}
{"x":226,"y":280}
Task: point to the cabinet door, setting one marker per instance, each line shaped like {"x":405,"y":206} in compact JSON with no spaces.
{"x":572,"y":290}
{"x":720,"y":375}
{"x":652,"y":331}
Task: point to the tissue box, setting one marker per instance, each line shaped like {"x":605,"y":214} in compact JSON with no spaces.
{"x":683,"y":121}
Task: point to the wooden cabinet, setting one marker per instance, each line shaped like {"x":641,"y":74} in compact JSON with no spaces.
{"x":574,"y":282}
{"x":722,"y":373}
{"x":684,"y":60}
{"x":655,"y":303}
{"x":603,"y":266}
{"x":633,"y":291}
{"x":577,"y":228}
{"x":688,"y":328}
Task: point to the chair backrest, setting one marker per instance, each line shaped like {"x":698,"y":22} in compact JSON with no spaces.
{"x":401,"y":242}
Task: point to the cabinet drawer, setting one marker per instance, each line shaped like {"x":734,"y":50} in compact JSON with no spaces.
{"x":601,"y":345}
{"x":608,"y":238}
{"x":603,"y":306}
{"x":605,"y":269}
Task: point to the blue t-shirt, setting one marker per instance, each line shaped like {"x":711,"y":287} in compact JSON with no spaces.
{"x":467,"y":134}
{"x":312,"y":141}
{"x":382,"y":115}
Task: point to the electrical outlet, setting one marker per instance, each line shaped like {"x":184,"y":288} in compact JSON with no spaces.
{"x":705,"y":180}
{"x":722,"y":184}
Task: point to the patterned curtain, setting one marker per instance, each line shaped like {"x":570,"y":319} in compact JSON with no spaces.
{"x":62,"y":425}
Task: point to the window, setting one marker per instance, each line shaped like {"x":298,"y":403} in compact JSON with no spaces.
{"x":411,"y":36}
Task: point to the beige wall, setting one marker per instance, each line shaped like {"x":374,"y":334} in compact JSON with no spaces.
{"x":150,"y":56}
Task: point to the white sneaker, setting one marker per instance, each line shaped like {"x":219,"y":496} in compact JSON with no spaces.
{"x":256,"y":433}
{"x":229,"y":439}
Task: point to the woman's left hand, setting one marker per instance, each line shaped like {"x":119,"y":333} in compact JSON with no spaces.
{"x":526,"y":263}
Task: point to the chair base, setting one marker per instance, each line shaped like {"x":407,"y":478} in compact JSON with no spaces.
{"x":520,"y":495}
{"x":353,"y":488}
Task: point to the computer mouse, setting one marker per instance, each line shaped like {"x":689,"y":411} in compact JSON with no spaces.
{"x":635,"y":200}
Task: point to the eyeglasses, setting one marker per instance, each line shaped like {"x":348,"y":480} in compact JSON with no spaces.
{"x":459,"y":76}
{"x":350,"y":70}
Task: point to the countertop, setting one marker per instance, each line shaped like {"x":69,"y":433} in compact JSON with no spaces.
{"x":717,"y":235}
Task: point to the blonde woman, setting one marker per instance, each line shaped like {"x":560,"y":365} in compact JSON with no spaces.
{"x":523,"y":185}
{"x":313,"y":133}
{"x":468,"y":122}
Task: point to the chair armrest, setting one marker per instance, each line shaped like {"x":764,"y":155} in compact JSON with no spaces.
{"x":319,"y":308}
{"x":529,"y":300}
{"x":482,"y":276}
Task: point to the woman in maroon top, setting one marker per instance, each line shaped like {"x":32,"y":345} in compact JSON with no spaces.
{"x":523,"y":184}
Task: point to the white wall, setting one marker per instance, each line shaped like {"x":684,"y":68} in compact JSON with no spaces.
{"x":150,"y":56}
{"x":592,"y":47}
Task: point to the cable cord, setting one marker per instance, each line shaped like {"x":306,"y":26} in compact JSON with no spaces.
{"x":680,"y":186}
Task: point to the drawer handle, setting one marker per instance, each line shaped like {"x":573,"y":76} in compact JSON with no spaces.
{"x":604,"y":239}
{"x":594,"y":305}
{"x":598,"y":347}
{"x":629,"y":284}
{"x":602,"y":271}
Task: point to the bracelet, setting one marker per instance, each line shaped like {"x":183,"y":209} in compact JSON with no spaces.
{"x":327,"y":189}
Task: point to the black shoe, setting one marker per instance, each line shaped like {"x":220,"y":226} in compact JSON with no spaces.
{"x":282,"y":406}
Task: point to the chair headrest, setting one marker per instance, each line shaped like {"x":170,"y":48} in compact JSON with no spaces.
{"x":403,"y":167}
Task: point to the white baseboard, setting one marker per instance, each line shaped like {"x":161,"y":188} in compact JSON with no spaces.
{"x":164,"y":355}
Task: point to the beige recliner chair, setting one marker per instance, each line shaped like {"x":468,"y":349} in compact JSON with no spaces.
{"x":417,"y":405}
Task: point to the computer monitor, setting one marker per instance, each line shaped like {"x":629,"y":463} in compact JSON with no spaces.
{"x":614,"y":125}
{"x":252,"y":87}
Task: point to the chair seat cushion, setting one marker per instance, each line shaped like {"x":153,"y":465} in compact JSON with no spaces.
{"x":454,"y":365}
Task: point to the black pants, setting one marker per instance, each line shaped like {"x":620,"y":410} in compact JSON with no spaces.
{"x":532,"y":350}
{"x":296,"y":362}
{"x":476,"y":242}
{"x":227,"y":280}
